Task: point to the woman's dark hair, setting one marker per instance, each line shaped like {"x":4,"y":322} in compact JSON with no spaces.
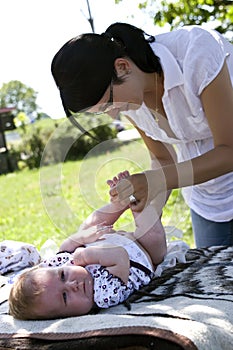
{"x":84,"y":67}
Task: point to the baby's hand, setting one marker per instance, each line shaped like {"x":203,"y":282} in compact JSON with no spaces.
{"x":85,"y":235}
{"x":78,"y":257}
{"x":94,"y":233}
{"x":68,"y":245}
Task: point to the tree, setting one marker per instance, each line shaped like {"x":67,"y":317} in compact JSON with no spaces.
{"x":21,"y":97}
{"x":184,"y":12}
{"x":178,"y":13}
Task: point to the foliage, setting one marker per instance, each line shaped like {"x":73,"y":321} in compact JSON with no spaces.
{"x":49,"y":142}
{"x":28,"y":152}
{"x":18,"y":95}
{"x":21,"y":120}
{"x":188,"y":12}
{"x":69,"y":143}
{"x":185,"y":12}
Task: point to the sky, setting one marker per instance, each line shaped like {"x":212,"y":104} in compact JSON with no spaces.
{"x":32,"y":31}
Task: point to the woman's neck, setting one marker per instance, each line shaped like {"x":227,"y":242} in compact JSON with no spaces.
{"x":154,"y":93}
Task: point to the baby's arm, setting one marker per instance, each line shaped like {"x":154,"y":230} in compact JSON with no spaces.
{"x":108,"y":215}
{"x":114,"y":259}
{"x":94,"y":227}
{"x":111,"y":212}
{"x":97,"y":223}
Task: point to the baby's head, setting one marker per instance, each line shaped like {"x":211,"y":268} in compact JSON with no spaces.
{"x":51,"y":292}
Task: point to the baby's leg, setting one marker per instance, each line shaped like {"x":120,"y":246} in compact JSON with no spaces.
{"x":150,"y":233}
{"x":149,"y":229}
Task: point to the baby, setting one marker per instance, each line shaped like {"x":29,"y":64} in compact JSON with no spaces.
{"x":96,"y":267}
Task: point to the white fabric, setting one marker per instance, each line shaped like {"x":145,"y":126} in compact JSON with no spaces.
{"x":191,"y":58}
{"x":176,"y":251}
{"x":16,"y":255}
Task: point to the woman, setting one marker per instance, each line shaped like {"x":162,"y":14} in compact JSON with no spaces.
{"x":176,"y":89}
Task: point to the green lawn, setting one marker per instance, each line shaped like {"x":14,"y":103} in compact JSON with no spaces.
{"x":53,"y":201}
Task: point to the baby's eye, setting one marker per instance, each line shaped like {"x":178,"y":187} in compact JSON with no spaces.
{"x":62,"y":275}
{"x":64,"y":297}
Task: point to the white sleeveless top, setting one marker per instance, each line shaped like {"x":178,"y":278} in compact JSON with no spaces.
{"x":191,"y":58}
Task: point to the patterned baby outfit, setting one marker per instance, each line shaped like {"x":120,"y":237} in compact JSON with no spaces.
{"x":109,"y":290}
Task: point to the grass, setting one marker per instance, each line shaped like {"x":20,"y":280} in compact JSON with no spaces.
{"x":52,"y":202}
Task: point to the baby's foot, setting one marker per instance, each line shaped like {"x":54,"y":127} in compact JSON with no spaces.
{"x":122,"y":175}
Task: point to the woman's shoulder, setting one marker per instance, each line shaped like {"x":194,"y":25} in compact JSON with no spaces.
{"x":189,"y":35}
{"x":200,"y":53}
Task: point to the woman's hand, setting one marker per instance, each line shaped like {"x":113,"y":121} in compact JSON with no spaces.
{"x":143,"y":186}
{"x":124,"y":189}
{"x":113,"y":183}
{"x":135,"y":185}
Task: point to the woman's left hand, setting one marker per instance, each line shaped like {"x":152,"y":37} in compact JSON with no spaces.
{"x":135,"y":185}
{"x":143,"y":186}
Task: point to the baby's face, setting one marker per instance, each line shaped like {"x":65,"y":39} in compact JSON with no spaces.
{"x":68,"y":291}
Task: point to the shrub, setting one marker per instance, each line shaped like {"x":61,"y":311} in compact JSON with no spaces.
{"x":29,"y":151}
{"x":61,"y":141}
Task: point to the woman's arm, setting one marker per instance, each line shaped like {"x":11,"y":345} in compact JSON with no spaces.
{"x":217,"y":100}
{"x":161,"y":154}
{"x":115,"y":259}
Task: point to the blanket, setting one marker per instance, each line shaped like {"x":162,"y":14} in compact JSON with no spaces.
{"x":188,"y":307}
